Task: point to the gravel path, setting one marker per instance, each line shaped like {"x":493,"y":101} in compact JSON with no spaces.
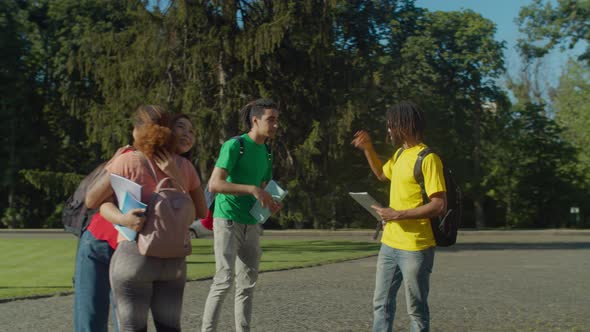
{"x":494,"y":282}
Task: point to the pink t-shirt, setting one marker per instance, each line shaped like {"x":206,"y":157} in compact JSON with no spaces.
{"x":134,"y":166}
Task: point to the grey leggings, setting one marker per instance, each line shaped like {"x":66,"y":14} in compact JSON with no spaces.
{"x":141,"y":282}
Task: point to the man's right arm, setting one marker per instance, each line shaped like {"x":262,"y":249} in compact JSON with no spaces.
{"x":375,"y":163}
{"x":218,"y":184}
{"x":362,"y":141}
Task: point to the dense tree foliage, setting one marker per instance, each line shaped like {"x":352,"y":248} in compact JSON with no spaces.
{"x":571,"y":100}
{"x":75,"y":70}
{"x":547,"y":26}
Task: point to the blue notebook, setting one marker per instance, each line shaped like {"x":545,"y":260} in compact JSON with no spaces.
{"x":129,"y":203}
{"x":261,"y":214}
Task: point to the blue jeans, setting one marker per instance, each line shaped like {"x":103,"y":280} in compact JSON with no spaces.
{"x":92,"y":289}
{"x":411,"y":267}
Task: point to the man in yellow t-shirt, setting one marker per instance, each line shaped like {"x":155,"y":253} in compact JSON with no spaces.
{"x":407,"y":244}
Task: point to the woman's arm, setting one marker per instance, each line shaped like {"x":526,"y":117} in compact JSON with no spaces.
{"x":200,"y":203}
{"x":133,"y":219}
{"x":99,"y":192}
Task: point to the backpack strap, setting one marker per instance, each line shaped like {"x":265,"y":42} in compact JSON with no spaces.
{"x":149,"y":163}
{"x":397,"y":154}
{"x":159,"y":183}
{"x":418,"y":172}
{"x":240,"y":139}
{"x":169,"y":179}
{"x":268,"y":151}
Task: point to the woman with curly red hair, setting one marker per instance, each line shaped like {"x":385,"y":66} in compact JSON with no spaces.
{"x":143,"y":282}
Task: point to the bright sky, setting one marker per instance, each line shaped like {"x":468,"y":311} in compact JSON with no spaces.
{"x":504,"y":13}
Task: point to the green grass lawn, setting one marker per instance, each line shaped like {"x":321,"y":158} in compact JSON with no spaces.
{"x":32,"y":267}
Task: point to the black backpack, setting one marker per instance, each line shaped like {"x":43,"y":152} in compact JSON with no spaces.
{"x":75,"y":215}
{"x":444,"y":227}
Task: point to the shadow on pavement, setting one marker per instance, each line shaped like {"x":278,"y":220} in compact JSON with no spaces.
{"x":518,"y":246}
{"x":322,"y":246}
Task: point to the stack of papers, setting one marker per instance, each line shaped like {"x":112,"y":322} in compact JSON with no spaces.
{"x":278,"y":194}
{"x":128,"y":196}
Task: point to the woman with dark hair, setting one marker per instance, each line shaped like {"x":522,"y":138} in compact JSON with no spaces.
{"x":184,"y":137}
{"x":141,"y":283}
{"x":407,"y":245}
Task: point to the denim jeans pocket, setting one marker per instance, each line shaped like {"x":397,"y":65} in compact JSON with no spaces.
{"x":100,"y":251}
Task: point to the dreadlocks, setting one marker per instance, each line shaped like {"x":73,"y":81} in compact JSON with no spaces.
{"x":405,"y":120}
{"x":255,"y":109}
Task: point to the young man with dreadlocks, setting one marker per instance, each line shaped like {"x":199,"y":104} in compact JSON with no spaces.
{"x":241,"y":171}
{"x":407,"y":244}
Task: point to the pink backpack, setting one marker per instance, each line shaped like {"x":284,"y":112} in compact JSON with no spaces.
{"x":165,"y":233}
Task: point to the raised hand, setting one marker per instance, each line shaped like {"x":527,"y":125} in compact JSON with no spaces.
{"x":362,"y":140}
{"x":166,"y":162}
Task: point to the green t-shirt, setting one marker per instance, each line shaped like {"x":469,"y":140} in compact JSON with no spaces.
{"x":252,"y":168}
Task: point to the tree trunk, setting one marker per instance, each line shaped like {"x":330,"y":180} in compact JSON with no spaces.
{"x":480,"y":219}
{"x":221,"y":77}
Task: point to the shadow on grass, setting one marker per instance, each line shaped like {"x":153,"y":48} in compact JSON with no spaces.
{"x":294,"y":261}
{"x":34,"y":287}
{"x":320,"y":246}
{"x":199,"y":263}
{"x":518,"y":246}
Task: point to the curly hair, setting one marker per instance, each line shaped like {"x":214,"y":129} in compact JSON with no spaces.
{"x":152,"y":132}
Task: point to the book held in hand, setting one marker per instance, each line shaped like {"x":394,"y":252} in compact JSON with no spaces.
{"x":278,"y":194}
{"x":129,"y":203}
{"x":128,"y":194}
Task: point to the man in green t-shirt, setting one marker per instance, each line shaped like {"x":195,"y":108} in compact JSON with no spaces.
{"x":241,"y":171}
{"x":407,"y":245}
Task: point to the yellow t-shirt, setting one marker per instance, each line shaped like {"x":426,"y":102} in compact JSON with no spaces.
{"x":404,"y":194}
